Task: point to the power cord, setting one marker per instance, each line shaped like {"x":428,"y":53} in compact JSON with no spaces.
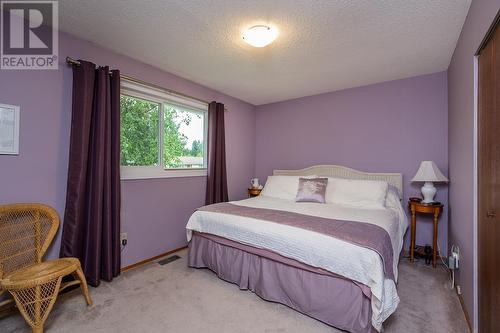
{"x":447,"y":269}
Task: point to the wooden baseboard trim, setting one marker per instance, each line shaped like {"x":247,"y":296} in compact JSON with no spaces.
{"x":147,"y":261}
{"x":464,"y":309}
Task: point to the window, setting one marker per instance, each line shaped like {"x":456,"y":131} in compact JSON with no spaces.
{"x":139,"y":131}
{"x":162,"y":134}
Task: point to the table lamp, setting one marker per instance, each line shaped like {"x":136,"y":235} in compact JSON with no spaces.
{"x":428,"y":172}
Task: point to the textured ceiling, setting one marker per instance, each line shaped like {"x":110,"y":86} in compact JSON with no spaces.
{"x":324,"y":45}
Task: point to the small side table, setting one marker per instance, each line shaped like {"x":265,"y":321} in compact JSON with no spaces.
{"x":435,"y":210}
{"x":254,"y":192}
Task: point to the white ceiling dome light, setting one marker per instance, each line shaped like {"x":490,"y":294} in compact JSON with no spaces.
{"x":260,"y":35}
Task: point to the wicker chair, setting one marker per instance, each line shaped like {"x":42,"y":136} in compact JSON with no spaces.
{"x":26,"y":231}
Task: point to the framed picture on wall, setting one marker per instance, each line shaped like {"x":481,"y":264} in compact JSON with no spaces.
{"x":9,"y":129}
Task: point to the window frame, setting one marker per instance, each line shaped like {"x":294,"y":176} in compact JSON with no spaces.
{"x":162,"y":97}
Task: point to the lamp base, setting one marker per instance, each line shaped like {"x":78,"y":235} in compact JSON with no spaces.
{"x":428,"y":192}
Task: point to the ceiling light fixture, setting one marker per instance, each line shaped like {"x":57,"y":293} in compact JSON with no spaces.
{"x":260,"y":35}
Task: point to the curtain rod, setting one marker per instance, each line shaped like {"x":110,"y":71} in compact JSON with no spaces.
{"x":73,"y":62}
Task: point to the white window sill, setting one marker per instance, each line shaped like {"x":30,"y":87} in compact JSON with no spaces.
{"x":131,"y":173}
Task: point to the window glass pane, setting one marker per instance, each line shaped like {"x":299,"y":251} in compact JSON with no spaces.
{"x":183,"y":138}
{"x":139,"y":132}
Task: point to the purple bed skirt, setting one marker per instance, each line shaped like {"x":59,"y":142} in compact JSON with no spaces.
{"x":332,"y":299}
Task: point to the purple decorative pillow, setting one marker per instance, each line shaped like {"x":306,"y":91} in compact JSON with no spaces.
{"x":311,"y":190}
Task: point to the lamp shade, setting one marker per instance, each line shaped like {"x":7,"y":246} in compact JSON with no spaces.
{"x":429,"y":172}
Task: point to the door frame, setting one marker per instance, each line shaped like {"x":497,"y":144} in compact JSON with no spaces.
{"x":475,"y":278}
{"x":475,"y":266}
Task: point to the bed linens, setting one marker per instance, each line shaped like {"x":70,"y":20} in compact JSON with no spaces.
{"x":356,"y":192}
{"x":351,"y":261}
{"x":280,"y":279}
{"x":363,"y":234}
{"x":283,"y":187}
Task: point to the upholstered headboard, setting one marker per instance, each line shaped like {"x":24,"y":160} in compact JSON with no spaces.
{"x":338,"y":171}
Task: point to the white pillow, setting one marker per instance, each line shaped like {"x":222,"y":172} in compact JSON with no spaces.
{"x":359,"y":193}
{"x":392,"y":200}
{"x":282,"y":187}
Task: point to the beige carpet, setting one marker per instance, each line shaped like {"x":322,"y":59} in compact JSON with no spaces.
{"x":174,"y":298}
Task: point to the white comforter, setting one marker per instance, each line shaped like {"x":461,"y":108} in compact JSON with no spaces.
{"x":318,"y":250}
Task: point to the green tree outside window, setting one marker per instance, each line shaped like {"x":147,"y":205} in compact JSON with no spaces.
{"x":139,"y":134}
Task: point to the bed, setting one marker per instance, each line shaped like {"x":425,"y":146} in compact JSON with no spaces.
{"x":332,"y":261}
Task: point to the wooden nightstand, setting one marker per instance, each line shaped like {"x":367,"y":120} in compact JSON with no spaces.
{"x":435,"y":210}
{"x":253,"y":192}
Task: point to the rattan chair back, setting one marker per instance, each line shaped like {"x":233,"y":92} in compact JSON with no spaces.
{"x":26,"y":231}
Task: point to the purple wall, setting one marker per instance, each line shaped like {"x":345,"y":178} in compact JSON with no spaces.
{"x":461,"y":139}
{"x":154,"y":211}
{"x":390,"y":126}
{"x":385,"y":127}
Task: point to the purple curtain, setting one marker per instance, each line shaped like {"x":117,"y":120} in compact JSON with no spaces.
{"x":217,"y":179}
{"x":91,"y":229}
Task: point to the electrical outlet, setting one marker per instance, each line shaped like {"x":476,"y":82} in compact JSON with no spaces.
{"x":452,"y":262}
{"x":454,"y":258}
{"x":123,"y":238}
